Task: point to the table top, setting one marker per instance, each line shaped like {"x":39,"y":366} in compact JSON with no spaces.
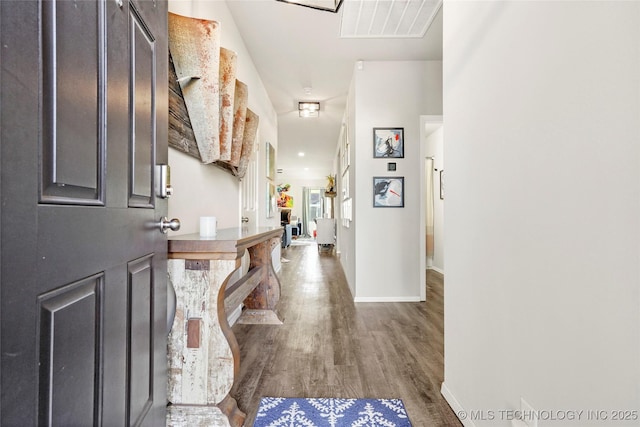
{"x":227,"y":240}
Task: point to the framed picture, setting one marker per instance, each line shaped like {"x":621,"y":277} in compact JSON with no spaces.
{"x":345,"y":184}
{"x":391,"y":166}
{"x":388,"y":192}
{"x":442,"y":184}
{"x":271,"y":162}
{"x":388,"y":142}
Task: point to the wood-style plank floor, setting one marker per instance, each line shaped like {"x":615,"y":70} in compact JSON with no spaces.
{"x":331,"y":347}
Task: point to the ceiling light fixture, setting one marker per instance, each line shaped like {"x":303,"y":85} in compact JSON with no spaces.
{"x":326,"y":5}
{"x":309,"y":109}
{"x":301,"y":154}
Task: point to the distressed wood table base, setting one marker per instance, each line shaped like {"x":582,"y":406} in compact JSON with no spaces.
{"x":196,"y":416}
{"x":202,"y":350}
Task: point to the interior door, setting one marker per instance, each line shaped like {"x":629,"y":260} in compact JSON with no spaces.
{"x":250,"y":193}
{"x":83,"y":261}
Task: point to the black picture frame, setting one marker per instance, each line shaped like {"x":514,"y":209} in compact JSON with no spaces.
{"x":388,"y":191}
{"x":391,"y":166}
{"x":388,"y":143}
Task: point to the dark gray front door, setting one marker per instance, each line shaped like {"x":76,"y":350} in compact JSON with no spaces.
{"x":83,"y":117}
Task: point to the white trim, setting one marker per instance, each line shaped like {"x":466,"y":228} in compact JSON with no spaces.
{"x":234,"y":315}
{"x":387,"y":299}
{"x":456,"y":406}
{"x":439,"y":270}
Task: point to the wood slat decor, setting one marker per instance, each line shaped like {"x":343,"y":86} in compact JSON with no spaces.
{"x":241,"y":98}
{"x":195,"y":47}
{"x":181,"y":136}
{"x":228,"y":61}
{"x":248,"y":141}
{"x":208,"y":115}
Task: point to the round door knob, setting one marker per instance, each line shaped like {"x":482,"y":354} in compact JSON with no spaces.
{"x":166,"y":225}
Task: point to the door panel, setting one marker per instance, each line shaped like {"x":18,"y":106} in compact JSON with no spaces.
{"x":140,"y":339}
{"x":70,"y":336}
{"x":142,"y":99}
{"x":73,"y":101}
{"x":83,"y":263}
{"x":249,"y":186}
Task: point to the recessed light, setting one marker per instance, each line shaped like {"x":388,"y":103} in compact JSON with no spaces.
{"x":301,"y":154}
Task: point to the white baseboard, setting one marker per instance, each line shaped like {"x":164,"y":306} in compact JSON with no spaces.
{"x":234,"y":315}
{"x":456,"y":406}
{"x":439,"y":270}
{"x":387,"y":299}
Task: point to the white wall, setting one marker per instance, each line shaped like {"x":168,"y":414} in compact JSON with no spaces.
{"x":205,"y":189}
{"x":387,"y":241}
{"x":542,"y":293}
{"x":347,"y":235}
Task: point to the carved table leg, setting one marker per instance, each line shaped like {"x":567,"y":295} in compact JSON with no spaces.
{"x":203,"y":353}
{"x":261,"y":303}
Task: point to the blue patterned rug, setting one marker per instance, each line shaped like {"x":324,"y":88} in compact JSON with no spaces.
{"x":298,"y":412}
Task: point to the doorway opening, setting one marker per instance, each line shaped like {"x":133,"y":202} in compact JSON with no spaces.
{"x":313,"y":206}
{"x":431,"y":197}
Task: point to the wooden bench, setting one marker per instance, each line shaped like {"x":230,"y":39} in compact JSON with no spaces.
{"x":202,"y":350}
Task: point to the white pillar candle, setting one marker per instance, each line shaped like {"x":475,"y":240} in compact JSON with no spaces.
{"x":208,"y":226}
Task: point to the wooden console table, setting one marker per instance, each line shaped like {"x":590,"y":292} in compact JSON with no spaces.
{"x":203,"y":351}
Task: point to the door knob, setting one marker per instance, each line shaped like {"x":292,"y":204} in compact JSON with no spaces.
{"x":245,"y":219}
{"x":166,"y":225}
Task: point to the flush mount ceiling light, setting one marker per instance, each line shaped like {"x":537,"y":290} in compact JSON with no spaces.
{"x":309,"y":109}
{"x":326,"y":5}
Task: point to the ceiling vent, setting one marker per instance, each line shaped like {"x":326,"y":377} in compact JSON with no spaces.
{"x":387,"y":18}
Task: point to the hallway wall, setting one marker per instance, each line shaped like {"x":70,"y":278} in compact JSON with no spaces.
{"x":542,"y":294}
{"x":387,"y":240}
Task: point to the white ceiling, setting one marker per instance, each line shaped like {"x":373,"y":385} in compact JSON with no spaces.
{"x":295,"y":47}
{"x":396,"y":19}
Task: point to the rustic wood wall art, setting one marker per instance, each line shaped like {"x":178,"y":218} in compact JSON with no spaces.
{"x":181,"y":136}
{"x":228,"y":61}
{"x":248,"y":141}
{"x":195,"y":47}
{"x":240,"y":101}
{"x":208,"y":114}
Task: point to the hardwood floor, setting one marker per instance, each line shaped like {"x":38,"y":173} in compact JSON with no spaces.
{"x":331,"y":347}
